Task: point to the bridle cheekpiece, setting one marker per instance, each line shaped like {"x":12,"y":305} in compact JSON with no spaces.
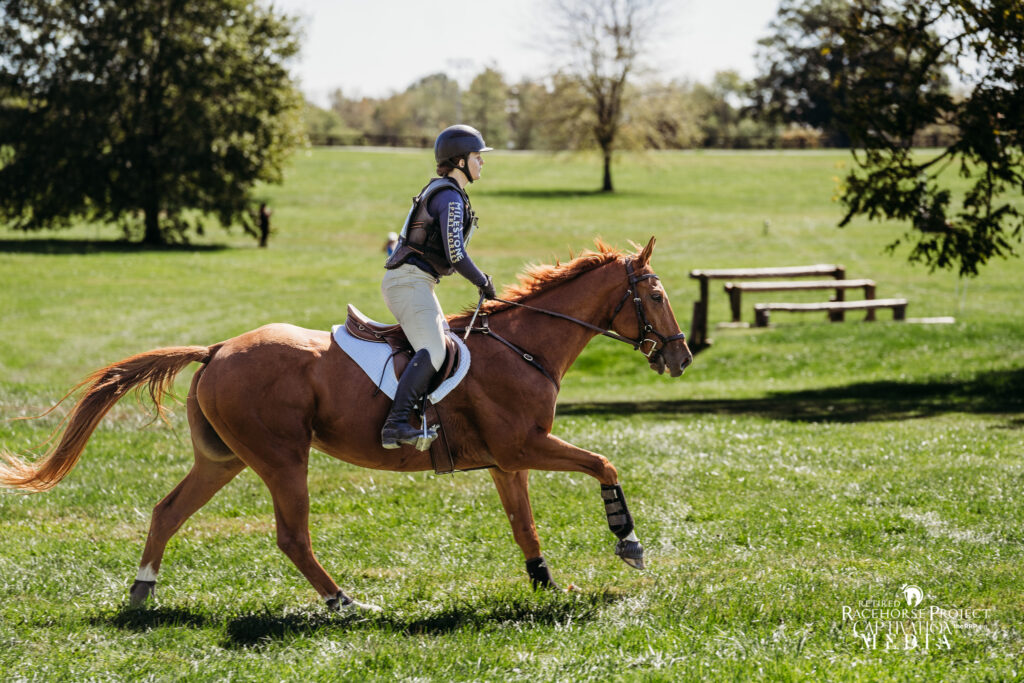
{"x":645,"y":328}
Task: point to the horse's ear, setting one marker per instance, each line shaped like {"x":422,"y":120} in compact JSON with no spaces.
{"x":645,"y":256}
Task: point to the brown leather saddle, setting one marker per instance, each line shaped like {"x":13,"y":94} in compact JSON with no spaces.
{"x":361,"y":327}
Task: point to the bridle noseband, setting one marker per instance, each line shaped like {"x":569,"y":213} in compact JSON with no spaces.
{"x":645,"y":328}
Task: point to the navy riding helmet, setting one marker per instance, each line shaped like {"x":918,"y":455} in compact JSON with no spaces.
{"x":458,"y":142}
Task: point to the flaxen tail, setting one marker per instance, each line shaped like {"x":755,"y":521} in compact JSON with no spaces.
{"x":107,"y":386}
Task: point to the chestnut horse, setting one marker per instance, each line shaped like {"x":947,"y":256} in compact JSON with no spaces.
{"x":262,"y":399}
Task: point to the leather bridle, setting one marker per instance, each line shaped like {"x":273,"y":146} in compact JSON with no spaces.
{"x":645,"y":327}
{"x":644,"y":331}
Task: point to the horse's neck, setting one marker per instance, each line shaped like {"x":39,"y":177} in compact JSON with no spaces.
{"x":558,"y":343}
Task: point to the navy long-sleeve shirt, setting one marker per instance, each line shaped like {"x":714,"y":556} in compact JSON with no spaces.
{"x":449,"y":210}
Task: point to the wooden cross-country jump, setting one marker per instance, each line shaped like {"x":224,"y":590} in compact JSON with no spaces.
{"x":699,"y":327}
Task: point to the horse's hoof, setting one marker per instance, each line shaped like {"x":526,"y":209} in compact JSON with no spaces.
{"x":140,"y":592}
{"x":540,"y":575}
{"x":631,"y":552}
{"x":343,"y":603}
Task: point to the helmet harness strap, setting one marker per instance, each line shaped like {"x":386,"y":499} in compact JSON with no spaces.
{"x":464,"y":169}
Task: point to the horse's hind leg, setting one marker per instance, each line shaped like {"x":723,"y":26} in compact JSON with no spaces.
{"x":281,"y":458}
{"x":194,"y":491}
{"x":215,"y":465}
{"x":290,"y":491}
{"x":513,"y":489}
{"x":272,"y":435}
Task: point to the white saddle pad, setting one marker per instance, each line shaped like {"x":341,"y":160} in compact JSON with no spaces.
{"x":375,"y":360}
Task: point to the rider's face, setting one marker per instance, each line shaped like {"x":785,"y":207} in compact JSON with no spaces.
{"x":476,"y":165}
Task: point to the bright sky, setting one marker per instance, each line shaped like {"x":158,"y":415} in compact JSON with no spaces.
{"x":376,"y":47}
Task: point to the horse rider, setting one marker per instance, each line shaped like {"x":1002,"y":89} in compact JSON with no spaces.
{"x":432,"y":245}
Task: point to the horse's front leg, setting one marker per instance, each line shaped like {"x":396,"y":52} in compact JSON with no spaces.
{"x":513,"y":489}
{"x":547,"y":452}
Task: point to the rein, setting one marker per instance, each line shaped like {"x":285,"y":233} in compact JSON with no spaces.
{"x":645,"y":328}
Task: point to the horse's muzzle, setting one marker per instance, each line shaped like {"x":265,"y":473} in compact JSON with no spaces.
{"x":675,"y":358}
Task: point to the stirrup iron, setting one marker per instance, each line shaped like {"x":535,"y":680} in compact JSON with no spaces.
{"x":426,"y":436}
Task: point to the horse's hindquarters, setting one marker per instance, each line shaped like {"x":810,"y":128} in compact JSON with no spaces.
{"x":257,"y":392}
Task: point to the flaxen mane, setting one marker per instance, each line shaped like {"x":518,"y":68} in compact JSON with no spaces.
{"x":536,"y":279}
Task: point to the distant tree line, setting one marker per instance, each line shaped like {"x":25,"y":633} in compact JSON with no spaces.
{"x":548,"y":114}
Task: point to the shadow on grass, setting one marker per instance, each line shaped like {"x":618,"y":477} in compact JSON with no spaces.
{"x":144,"y":619}
{"x":255,"y":629}
{"x":998,"y":392}
{"x":249,"y":630}
{"x":62,"y":247}
{"x":576,"y":606}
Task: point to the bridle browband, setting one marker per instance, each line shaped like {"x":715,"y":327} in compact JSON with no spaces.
{"x":645,"y":329}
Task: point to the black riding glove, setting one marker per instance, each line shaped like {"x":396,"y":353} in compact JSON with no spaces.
{"x":487,"y":288}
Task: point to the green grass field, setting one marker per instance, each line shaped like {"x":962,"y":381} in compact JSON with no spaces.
{"x":793,"y":474}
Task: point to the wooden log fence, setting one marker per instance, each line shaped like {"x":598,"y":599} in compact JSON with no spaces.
{"x":735,"y":290}
{"x":835,"y":309}
{"x":698,"y":339}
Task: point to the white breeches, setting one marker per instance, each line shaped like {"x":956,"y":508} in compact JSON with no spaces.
{"x":409,"y":294}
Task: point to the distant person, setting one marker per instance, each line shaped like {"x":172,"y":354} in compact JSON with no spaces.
{"x":264,"y":220}
{"x":391,"y":244}
{"x":432,"y":244}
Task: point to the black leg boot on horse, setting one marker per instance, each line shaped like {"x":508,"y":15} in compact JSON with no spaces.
{"x":411,"y":388}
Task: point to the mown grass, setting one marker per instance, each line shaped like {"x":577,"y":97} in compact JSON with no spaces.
{"x":791,"y":472}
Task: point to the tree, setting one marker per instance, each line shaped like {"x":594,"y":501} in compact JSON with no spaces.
{"x":801,"y":67}
{"x":725,"y":117}
{"x":602,"y":42}
{"x":565,"y":122}
{"x":323,"y":126}
{"x":886,"y":63}
{"x":356,"y":114}
{"x":432,"y":105}
{"x":526,"y":110}
{"x":683,"y":114}
{"x":485,"y":106}
{"x":392,"y":119}
{"x":158,"y":108}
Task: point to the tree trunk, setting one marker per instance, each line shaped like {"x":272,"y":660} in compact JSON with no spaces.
{"x":606,"y":186}
{"x":152,"y":235}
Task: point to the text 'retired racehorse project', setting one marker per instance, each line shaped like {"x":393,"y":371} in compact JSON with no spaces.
{"x":264,"y":398}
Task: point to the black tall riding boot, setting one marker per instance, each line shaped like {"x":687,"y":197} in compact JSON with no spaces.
{"x":411,"y":387}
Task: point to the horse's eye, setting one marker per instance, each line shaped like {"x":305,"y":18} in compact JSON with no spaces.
{"x":656,"y":296}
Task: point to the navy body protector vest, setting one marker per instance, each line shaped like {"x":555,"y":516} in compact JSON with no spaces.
{"x":421,"y":241}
